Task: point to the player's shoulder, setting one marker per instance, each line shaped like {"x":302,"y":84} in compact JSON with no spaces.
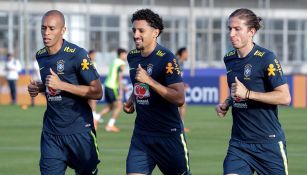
{"x":263,"y":54}
{"x":41,"y":53}
{"x":230,"y":55}
{"x":73,"y":49}
{"x":164,"y":53}
{"x":133,"y":53}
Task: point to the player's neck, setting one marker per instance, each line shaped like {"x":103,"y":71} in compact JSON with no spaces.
{"x":244,"y":51}
{"x":148,"y":50}
{"x":55,"y":48}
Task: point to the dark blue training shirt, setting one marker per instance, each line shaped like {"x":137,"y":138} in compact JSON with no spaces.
{"x":67,"y":113}
{"x":155,"y":115}
{"x":259,"y":71}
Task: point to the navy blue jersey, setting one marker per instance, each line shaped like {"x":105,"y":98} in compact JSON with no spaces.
{"x":259,"y":71}
{"x":155,"y":115}
{"x":67,"y":113}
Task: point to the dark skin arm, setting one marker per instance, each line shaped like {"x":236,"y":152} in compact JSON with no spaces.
{"x":91,"y":91}
{"x":35,"y":87}
{"x":129,"y":105}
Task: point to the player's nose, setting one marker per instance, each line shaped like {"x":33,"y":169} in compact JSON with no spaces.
{"x":136,"y":34}
{"x":46,"y":32}
{"x":231,"y":33}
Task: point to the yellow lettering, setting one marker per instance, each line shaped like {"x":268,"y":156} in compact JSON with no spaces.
{"x":160,"y":53}
{"x":258,"y":53}
{"x":230,"y":53}
{"x":67,"y":49}
{"x":135,"y":51}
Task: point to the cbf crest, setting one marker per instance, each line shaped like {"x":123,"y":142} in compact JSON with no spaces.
{"x":149,"y":69}
{"x":247,"y":71}
{"x":60,"y":66}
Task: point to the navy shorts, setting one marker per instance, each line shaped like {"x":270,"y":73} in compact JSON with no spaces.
{"x":78,"y":151}
{"x":111,"y":95}
{"x":264,"y":158}
{"x":169,"y":153}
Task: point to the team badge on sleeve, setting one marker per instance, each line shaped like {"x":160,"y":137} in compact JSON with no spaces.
{"x":271,"y":70}
{"x":278,"y":66}
{"x":274,"y":67}
{"x":169,"y":68}
{"x":85,"y":64}
{"x":176,"y":66}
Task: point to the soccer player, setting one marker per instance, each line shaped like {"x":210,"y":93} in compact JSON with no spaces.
{"x":12,"y":68}
{"x":182,"y":56}
{"x":93,"y":103}
{"x":257,"y":86}
{"x":68,"y":81}
{"x":158,"y":91}
{"x":113,"y":87}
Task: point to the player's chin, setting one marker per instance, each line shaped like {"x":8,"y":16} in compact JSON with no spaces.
{"x":47,"y":44}
{"x":139,"y":47}
{"x":236,"y":46}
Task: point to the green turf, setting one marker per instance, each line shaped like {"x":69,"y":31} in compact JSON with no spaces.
{"x":207,"y":141}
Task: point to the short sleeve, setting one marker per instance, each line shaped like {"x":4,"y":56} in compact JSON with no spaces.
{"x":172,"y":70}
{"x":273,"y":71}
{"x":85,"y":67}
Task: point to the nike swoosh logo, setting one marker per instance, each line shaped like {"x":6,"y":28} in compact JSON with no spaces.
{"x":228,"y":71}
{"x":41,"y":68}
{"x":93,"y":172}
{"x":131,"y":68}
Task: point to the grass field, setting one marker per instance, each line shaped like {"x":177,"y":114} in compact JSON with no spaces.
{"x":207,"y":141}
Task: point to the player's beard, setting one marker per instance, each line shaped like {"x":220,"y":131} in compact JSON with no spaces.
{"x":141,"y":47}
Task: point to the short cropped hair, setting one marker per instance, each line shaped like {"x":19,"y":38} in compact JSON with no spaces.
{"x":55,"y":12}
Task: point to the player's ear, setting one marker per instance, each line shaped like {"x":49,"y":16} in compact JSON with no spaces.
{"x":252,"y":32}
{"x":63,"y":30}
{"x":156,"y":33}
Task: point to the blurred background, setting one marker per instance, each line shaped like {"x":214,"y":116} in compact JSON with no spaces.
{"x":199,"y":25}
{"x":104,"y":25}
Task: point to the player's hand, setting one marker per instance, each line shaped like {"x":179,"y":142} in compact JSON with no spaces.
{"x":53,"y":80}
{"x":221,"y":109}
{"x":128,"y":107}
{"x":33,"y":88}
{"x":141,"y":75}
{"x":238,"y":89}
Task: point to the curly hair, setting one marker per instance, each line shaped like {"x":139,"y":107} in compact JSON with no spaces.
{"x":153,"y":19}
